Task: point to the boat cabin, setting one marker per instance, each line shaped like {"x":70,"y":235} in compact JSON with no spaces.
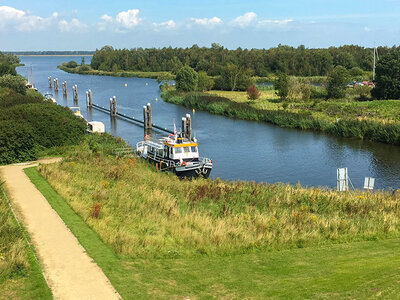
{"x":178,"y":149}
{"x":96,"y":127}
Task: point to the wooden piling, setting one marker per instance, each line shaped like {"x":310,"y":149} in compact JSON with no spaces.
{"x":147,"y":119}
{"x":87,"y":99}
{"x":56,"y":85}
{"x":75,"y":90}
{"x":114,"y":111}
{"x":188,"y":126}
{"x":149,"y":126}
{"x":50,"y":82}
{"x":90,"y":98}
{"x":64,"y":86}
{"x":184,"y":127}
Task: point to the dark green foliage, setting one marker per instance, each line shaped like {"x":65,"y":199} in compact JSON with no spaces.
{"x":6,"y":68}
{"x":356,"y":73}
{"x":337,"y":81}
{"x":293,"y":61}
{"x":204,"y":82}
{"x":28,"y":125}
{"x":9,"y":59}
{"x":281,"y":84}
{"x":16,"y":141}
{"x":186,"y":79}
{"x":387,"y":83}
{"x":17,"y":83}
{"x":233,"y":78}
{"x":72,"y":64}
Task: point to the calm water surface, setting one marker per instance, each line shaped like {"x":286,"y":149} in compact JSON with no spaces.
{"x":239,"y":149}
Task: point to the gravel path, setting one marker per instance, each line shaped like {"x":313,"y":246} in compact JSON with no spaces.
{"x":70,"y":272}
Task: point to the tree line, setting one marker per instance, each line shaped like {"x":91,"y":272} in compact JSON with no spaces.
{"x":300,"y":61}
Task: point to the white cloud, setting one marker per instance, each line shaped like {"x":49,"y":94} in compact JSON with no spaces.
{"x":247,"y":19}
{"x":106,"y":18}
{"x":207,"y":22}
{"x":167,"y":25}
{"x":73,"y":25}
{"x":129,"y":18}
{"x":12,"y":18}
{"x":274,"y":22}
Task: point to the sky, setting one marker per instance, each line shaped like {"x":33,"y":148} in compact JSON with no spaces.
{"x":87,"y":25}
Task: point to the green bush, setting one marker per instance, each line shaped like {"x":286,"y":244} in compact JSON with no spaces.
{"x":72,"y":64}
{"x":6,"y":68}
{"x":17,"y":83}
{"x":12,"y":98}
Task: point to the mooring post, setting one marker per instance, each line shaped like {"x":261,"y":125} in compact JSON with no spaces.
{"x":65,"y":88}
{"x":90,"y":98}
{"x":114,"y":111}
{"x":188,"y":126}
{"x":111,"y":106}
{"x":149,"y":126}
{"x":145,"y":119}
{"x":50,"y":82}
{"x":56,"y":85}
{"x":75,"y":89}
{"x":87,"y":99}
{"x":184,"y":127}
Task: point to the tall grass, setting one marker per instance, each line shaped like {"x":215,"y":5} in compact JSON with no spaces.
{"x":148,"y":214}
{"x":349,"y":125}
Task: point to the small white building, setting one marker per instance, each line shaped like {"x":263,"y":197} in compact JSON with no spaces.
{"x":96,"y":127}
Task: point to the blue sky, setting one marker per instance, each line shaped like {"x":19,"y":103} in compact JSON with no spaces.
{"x":87,"y":25}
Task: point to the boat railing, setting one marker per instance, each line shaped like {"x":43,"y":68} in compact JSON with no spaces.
{"x":205,"y":160}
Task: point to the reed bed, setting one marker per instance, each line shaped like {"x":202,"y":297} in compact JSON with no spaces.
{"x":142,"y":213}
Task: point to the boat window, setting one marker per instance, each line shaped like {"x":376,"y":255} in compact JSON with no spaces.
{"x":194,"y":149}
{"x":160,"y":152}
{"x":186,"y":149}
{"x":178,"y":150}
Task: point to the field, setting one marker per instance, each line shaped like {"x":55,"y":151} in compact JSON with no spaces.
{"x":20,"y":273}
{"x":157,"y":236}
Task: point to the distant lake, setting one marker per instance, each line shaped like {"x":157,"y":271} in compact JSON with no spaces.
{"x":240,"y":150}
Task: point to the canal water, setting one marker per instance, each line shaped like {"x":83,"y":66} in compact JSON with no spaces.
{"x":240,"y":150}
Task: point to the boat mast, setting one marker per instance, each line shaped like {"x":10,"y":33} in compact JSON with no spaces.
{"x":31,"y":77}
{"x":376,"y":57}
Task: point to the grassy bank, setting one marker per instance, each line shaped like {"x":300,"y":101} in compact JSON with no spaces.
{"x":372,"y":120}
{"x":139,"y":74}
{"x":20,"y":273}
{"x":159,"y":237}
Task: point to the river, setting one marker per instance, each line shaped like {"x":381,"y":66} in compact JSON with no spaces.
{"x":240,"y":150}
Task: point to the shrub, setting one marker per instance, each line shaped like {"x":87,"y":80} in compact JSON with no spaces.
{"x":204,"y":82}
{"x":281,"y":84}
{"x":337,"y":81}
{"x":7,"y":69}
{"x":186,"y":79}
{"x":84,"y":68}
{"x":17,"y":83}
{"x":72,"y":64}
{"x":253,"y":93}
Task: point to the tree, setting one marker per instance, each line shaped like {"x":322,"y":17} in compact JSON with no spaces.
{"x":337,"y":81}
{"x":82,"y":60}
{"x":281,"y":85}
{"x":356,"y":73}
{"x":17,"y":83}
{"x":233,"y":78}
{"x":186,"y":79}
{"x":204,"y":82}
{"x":253,"y":93}
{"x":387,"y":80}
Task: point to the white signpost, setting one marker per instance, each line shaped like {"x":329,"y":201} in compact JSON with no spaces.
{"x":369,"y":183}
{"x":342,"y":180}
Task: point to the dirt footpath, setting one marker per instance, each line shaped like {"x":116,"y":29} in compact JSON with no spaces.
{"x":70,"y":272}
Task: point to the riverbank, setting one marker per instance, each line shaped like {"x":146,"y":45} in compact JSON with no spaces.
{"x":90,"y":71}
{"x":134,"y":222}
{"x":370,"y":120}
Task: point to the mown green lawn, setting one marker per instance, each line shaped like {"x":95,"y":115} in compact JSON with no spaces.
{"x":355,"y":270}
